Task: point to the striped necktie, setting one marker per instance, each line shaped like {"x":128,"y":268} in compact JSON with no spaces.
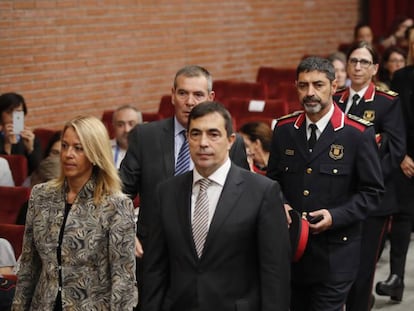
{"x":183,"y":159}
{"x":200,"y":218}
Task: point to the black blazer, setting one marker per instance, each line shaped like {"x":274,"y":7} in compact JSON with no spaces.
{"x":150,"y":160}
{"x":403,"y":84}
{"x":245,"y":264}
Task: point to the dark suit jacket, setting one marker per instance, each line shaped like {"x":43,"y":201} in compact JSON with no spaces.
{"x":246,"y":258}
{"x":150,"y":160}
{"x":403,"y":84}
{"x":343,"y":175}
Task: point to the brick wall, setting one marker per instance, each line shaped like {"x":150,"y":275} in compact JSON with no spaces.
{"x":83,"y":56}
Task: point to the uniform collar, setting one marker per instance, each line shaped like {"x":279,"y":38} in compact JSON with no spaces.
{"x":368,"y":95}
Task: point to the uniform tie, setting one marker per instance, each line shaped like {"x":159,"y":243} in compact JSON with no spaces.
{"x":355,"y":99}
{"x":200,"y":218}
{"x":183,"y":159}
{"x":312,"y":138}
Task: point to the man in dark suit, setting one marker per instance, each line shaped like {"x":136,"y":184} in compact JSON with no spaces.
{"x":154,"y":147}
{"x":236,"y":256}
{"x":382,"y":108}
{"x":328,"y":168}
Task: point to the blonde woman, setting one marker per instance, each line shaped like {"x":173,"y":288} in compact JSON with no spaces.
{"x":78,"y":249}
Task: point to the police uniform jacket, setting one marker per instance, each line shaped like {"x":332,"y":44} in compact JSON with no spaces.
{"x":342,"y":174}
{"x":383,"y":109}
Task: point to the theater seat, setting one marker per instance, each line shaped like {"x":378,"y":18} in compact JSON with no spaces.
{"x":165,"y":110}
{"x":242,"y":109}
{"x":44,"y":135}
{"x":271,"y":77}
{"x":12,"y":199}
{"x":287,"y":91}
{"x":225,"y":90}
{"x":18,"y":167}
{"x":107,"y":121}
{"x":14,"y":234}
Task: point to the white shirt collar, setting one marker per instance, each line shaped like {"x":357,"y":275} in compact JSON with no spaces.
{"x":361,"y":93}
{"x":219,"y":176}
{"x":178,"y":128}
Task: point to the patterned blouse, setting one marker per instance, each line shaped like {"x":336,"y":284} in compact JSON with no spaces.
{"x":98,"y":261}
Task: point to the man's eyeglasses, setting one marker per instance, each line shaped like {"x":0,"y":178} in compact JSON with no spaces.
{"x":363,"y":62}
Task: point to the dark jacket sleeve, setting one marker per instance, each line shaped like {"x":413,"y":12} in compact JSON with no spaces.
{"x":238,"y":153}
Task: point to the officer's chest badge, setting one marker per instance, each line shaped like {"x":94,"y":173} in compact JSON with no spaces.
{"x":336,"y":152}
{"x":369,"y":115}
{"x":290,"y":152}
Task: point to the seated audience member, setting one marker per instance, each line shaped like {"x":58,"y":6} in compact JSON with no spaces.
{"x":363,"y":32}
{"x":49,"y":168}
{"x":393,"y":58}
{"x":25,"y":142}
{"x":7,"y":285}
{"x":6,"y":177}
{"x":396,"y":35}
{"x":124,"y":119}
{"x":257,"y":137}
{"x":338,"y":60}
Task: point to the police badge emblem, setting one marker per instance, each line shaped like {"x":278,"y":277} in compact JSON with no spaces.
{"x":369,"y":115}
{"x":336,"y":152}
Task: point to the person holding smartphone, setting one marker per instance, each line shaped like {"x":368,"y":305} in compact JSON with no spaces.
{"x":15,"y":137}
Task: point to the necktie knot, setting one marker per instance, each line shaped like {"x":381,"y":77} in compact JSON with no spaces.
{"x":355,"y":99}
{"x":204,"y":183}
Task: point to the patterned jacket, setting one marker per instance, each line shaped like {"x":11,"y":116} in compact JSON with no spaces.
{"x":98,"y":262}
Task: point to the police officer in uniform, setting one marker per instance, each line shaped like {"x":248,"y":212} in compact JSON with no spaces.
{"x":382,"y":108}
{"x":328,"y":167}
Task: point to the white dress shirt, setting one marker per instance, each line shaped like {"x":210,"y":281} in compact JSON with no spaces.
{"x":218,"y":179}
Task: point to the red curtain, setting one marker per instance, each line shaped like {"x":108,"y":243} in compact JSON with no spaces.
{"x":381,"y":14}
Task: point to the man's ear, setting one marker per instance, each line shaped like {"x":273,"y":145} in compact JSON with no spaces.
{"x":211,"y":96}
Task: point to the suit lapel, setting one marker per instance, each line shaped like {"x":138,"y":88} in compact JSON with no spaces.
{"x":167,"y":145}
{"x":232,"y":190}
{"x":183,"y":204}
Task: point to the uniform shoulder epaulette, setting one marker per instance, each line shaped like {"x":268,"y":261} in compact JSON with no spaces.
{"x":290,"y":115}
{"x":388,"y":92}
{"x":360,"y":120}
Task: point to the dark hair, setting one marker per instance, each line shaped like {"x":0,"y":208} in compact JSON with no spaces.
{"x":209,"y":107}
{"x":315,"y":63}
{"x":55,"y":137}
{"x":10,"y":101}
{"x":363,"y":44}
{"x":260,"y":131}
{"x":359,"y":26}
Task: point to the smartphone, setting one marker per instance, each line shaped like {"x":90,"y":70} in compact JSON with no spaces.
{"x":18,"y":121}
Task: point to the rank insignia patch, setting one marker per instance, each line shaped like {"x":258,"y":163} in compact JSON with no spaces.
{"x":336,"y":152}
{"x":369,"y":115}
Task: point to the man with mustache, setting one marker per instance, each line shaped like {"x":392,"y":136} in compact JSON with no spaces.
{"x":328,"y":167}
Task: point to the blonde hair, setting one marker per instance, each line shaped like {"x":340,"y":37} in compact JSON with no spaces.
{"x":96,"y":145}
